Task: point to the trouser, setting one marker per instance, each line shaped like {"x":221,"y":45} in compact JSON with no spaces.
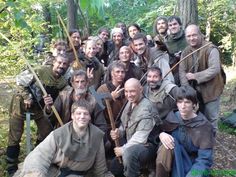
{"x":134,"y":159}
{"x":16,"y":127}
{"x":211,"y":111}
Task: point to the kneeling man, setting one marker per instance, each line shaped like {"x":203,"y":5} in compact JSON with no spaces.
{"x":76,"y":149}
{"x":189,"y":136}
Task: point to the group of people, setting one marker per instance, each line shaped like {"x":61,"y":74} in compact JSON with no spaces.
{"x":154,"y":111}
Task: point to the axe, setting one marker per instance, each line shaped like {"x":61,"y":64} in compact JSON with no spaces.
{"x":99,"y":96}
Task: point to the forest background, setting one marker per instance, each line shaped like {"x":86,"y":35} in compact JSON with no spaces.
{"x":28,"y":23}
{"x":33,"y":23}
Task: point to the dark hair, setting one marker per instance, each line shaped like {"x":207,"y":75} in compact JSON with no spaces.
{"x":173,"y":17}
{"x":187,"y":92}
{"x":100,"y":30}
{"x":61,"y":56}
{"x":155,"y":23}
{"x":72,"y":31}
{"x":154,"y":69}
{"x":79,"y":72}
{"x":140,"y":36}
{"x":136,"y":26}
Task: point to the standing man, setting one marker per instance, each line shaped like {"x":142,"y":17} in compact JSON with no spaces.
{"x":137,"y":121}
{"x":160,"y":93}
{"x":203,"y":71}
{"x":118,"y":41}
{"x":29,"y":98}
{"x":104,"y":34}
{"x":176,"y":43}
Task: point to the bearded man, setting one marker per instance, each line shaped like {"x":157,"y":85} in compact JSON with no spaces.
{"x":77,"y":93}
{"x":29,"y":98}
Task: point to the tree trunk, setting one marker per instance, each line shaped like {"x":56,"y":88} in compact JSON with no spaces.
{"x":47,"y":18}
{"x":71,"y":15}
{"x":188,"y":11}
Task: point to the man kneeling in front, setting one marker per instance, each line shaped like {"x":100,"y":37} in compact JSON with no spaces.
{"x":75,"y":149}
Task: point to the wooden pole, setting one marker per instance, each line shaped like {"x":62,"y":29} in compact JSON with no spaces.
{"x":70,"y":41}
{"x":113,"y":127}
{"x":36,"y":77}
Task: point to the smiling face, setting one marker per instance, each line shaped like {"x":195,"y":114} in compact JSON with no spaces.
{"x":117,"y":38}
{"x":81,"y":118}
{"x":161,"y":26}
{"x":90,"y":49}
{"x":60,"y":65}
{"x":133,"y":90}
{"x":193,"y":36}
{"x":125,"y":54}
{"x":153,"y":78}
{"x":174,"y":26}
{"x":139,"y":46}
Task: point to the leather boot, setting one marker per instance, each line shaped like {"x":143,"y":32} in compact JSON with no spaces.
{"x":12,"y":159}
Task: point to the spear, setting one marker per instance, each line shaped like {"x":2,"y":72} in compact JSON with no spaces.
{"x":69,"y":38}
{"x":35,"y":76}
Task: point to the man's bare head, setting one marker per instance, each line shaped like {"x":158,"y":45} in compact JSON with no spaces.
{"x":193,"y":35}
{"x":133,"y":90}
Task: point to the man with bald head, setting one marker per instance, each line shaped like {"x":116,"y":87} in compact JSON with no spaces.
{"x":137,"y":121}
{"x":203,"y":71}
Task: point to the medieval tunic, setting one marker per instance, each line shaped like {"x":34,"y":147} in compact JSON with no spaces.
{"x":65,"y":100}
{"x":139,"y":150}
{"x":65,"y":150}
{"x":29,"y":89}
{"x":175,"y":43}
{"x":137,"y":123}
{"x":206,"y":65}
{"x":163,"y":98}
{"x":193,"y":144}
{"x":156,"y":57}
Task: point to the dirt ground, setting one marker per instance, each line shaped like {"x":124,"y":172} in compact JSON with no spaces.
{"x":224,"y":151}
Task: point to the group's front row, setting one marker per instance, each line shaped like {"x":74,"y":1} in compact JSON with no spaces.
{"x":178,"y":146}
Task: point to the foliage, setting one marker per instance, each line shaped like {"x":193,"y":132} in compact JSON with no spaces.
{"x":221,"y":14}
{"x":137,"y":11}
{"x":20,"y":23}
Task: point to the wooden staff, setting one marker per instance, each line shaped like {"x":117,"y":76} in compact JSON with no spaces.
{"x":69,"y":38}
{"x":36,"y":77}
{"x":113,"y":127}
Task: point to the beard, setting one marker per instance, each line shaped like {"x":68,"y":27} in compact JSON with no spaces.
{"x":79,"y":92}
{"x":155,"y":85}
{"x":60,"y":71}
